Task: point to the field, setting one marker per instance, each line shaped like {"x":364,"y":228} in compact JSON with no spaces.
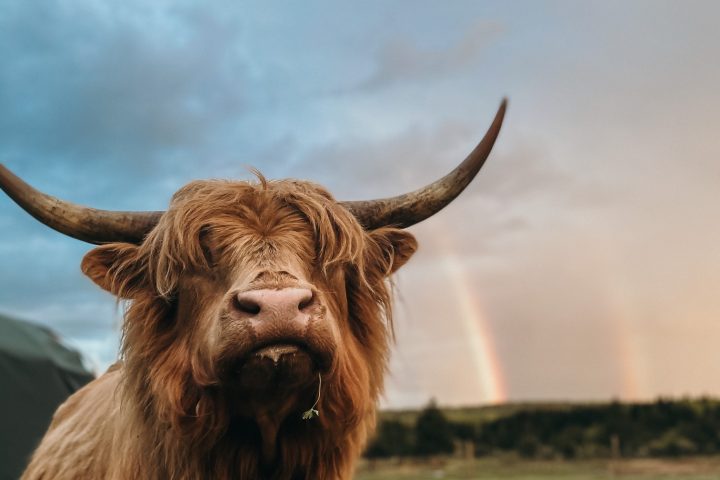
{"x":494,"y":468}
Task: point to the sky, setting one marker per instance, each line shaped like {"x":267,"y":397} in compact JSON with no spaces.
{"x":583,"y":263}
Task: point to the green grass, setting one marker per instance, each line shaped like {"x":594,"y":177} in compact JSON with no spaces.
{"x":512,"y":469}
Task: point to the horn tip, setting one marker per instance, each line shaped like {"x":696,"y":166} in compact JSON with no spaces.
{"x":503,"y":106}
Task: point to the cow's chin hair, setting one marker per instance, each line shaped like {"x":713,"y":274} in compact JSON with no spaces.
{"x":274,"y":371}
{"x":285,"y":360}
{"x":211,"y":408}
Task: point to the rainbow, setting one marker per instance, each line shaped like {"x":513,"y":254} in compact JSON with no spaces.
{"x":622,"y":314}
{"x":473,"y":321}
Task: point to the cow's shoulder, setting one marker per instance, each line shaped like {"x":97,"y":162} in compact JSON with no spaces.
{"x":81,"y":432}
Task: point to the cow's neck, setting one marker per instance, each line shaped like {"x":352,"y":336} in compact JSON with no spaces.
{"x":269,"y":416}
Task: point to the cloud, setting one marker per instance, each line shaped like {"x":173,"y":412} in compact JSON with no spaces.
{"x":400,"y":60}
{"x":520,"y":188}
{"x":418,"y":155}
{"x":93,"y":87}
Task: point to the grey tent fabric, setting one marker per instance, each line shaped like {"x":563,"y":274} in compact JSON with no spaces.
{"x":37,"y":373}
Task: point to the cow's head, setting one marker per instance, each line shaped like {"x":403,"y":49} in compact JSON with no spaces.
{"x":254,"y":291}
{"x":244,"y":296}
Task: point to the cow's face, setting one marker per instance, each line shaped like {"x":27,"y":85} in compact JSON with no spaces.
{"x":267,"y":287}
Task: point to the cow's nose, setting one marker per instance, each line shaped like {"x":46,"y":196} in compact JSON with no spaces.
{"x":269,"y":304}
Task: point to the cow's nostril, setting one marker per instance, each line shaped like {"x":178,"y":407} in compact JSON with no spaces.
{"x":307,"y":300}
{"x":246,"y":305}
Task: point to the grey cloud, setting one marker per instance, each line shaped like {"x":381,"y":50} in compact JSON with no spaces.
{"x":93,"y":87}
{"x":400,"y":60}
{"x":420,"y":155}
{"x":516,"y":191}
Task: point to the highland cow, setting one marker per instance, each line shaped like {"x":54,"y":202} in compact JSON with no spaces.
{"x":256,"y":333}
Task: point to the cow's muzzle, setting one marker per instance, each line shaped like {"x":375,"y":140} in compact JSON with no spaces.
{"x":290,"y":339}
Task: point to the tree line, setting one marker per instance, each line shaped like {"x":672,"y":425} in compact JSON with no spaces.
{"x":659,"y":429}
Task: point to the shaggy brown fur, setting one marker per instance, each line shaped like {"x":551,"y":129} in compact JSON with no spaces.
{"x":166,"y":411}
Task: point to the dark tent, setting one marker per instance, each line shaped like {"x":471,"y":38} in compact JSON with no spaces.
{"x":37,"y":374}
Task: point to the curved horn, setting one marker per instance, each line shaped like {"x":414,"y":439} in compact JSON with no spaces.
{"x":414,"y":207}
{"x":83,"y":223}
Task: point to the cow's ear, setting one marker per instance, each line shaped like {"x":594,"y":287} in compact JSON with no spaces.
{"x":396,"y":247}
{"x":117,"y":268}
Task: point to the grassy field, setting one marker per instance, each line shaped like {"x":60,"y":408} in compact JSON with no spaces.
{"x":485,"y":469}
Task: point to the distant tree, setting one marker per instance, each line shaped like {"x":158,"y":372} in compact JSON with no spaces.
{"x":462,"y":430}
{"x":672,"y":444}
{"x":660,"y":428}
{"x":433,"y":432}
{"x":528,"y":446}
